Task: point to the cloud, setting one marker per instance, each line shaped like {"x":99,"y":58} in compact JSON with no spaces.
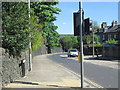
{"x":64,"y":23}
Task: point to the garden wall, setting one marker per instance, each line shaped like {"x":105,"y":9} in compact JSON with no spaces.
{"x":111,"y":52}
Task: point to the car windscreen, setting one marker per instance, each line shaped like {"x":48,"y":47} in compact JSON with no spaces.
{"x":73,"y":50}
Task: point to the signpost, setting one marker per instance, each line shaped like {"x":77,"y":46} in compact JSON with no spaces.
{"x":81,"y":45}
{"x":80,"y":31}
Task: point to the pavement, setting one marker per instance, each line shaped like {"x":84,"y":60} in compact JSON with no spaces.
{"x":47,"y":74}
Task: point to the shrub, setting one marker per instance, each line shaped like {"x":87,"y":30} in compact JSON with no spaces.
{"x":111,"y":41}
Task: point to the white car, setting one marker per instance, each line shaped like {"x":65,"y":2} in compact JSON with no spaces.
{"x":72,"y":52}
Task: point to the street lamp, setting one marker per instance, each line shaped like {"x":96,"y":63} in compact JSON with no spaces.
{"x":30,"y":49}
{"x":93,"y":39}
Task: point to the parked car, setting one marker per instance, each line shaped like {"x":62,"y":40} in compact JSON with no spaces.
{"x":72,"y":52}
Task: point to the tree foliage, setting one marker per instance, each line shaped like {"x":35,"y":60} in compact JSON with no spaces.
{"x":89,"y":40}
{"x":45,"y":11}
{"x":52,"y":36}
{"x":69,"y":42}
{"x":35,"y":30}
{"x":94,"y":25}
{"x":15,"y":26}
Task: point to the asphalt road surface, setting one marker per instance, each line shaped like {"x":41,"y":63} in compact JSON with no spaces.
{"x":105,"y":76}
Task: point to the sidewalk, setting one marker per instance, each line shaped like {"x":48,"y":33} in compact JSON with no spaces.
{"x":46,"y":74}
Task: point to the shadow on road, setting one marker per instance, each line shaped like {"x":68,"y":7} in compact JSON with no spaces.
{"x":103,"y":59}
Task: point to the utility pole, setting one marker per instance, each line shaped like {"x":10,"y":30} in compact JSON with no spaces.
{"x":30,"y":49}
{"x":81,"y":45}
{"x":93,"y":44}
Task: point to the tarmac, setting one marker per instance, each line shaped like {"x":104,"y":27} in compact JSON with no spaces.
{"x":106,"y":62}
{"x":47,"y":74}
{"x":103,"y":61}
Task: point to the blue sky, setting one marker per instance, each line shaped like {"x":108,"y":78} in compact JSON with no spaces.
{"x":96,"y":11}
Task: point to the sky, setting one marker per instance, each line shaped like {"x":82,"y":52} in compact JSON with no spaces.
{"x":96,"y":11}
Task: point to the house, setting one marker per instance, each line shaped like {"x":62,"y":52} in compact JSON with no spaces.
{"x":112,"y":33}
{"x":106,"y":33}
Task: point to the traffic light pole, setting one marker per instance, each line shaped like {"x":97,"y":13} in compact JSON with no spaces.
{"x":81,"y":45}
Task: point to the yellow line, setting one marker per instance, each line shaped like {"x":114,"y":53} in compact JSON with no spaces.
{"x":87,"y":80}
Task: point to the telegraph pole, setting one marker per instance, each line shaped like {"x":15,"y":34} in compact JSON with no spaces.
{"x":30,"y":49}
{"x":81,"y":45}
{"x":93,"y":44}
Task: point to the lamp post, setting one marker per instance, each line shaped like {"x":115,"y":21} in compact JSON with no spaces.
{"x":30,"y":49}
{"x":93,"y":44}
{"x":92,"y":29}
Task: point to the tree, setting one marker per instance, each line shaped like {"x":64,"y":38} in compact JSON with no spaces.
{"x":89,"y":40}
{"x":15,"y":26}
{"x":69,"y":42}
{"x":52,"y":36}
{"x":94,"y":25}
{"x":36,"y":31}
{"x":45,"y":13}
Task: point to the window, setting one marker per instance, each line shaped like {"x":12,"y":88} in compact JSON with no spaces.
{"x":103,"y":37}
{"x":115,"y":36}
{"x":109,"y":37}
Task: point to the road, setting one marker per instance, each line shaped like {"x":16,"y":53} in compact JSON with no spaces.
{"x":105,"y":76}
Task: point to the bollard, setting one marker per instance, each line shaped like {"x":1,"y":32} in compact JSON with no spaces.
{"x":23,"y":67}
{"x":79,"y":57}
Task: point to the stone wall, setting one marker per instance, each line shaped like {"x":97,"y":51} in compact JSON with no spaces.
{"x":11,"y":66}
{"x":111,"y":52}
{"x":40,"y":51}
{"x":56,"y":50}
{"x":43,"y":50}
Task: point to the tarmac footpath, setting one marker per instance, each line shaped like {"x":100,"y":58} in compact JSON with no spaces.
{"x":47,"y":74}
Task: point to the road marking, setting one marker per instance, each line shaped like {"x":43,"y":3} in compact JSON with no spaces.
{"x":85,"y":79}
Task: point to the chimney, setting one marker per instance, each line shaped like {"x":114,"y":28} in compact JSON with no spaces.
{"x":103,"y":25}
{"x":114,"y":23}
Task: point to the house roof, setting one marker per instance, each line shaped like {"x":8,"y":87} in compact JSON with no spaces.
{"x":114,"y":29}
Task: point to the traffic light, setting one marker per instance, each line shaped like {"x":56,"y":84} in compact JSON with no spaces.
{"x":76,"y":17}
{"x":87,"y":26}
